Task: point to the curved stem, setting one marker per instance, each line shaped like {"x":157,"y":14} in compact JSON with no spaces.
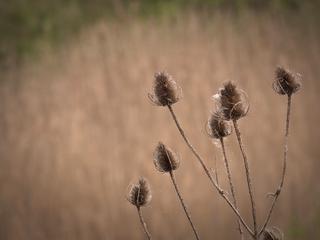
{"x":226,"y":163}
{"x":143,"y":223}
{"x":249,"y":181}
{"x":285,"y":154}
{"x":183,"y":204}
{"x":207,"y":172}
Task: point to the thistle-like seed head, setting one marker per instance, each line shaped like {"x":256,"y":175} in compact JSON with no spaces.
{"x":286,"y":83}
{"x":272,"y":234}
{"x":165,"y":90}
{"x":165,"y":160}
{"x":218,"y":127}
{"x":232,"y":101}
{"x":140,"y":193}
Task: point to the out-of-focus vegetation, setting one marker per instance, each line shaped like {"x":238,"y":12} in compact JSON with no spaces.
{"x":27,"y":24}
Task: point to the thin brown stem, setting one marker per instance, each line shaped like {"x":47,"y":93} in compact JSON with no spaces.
{"x":226,"y":163}
{"x":183,"y":204}
{"x":207,"y":172}
{"x":285,"y":155}
{"x":249,"y":181}
{"x":143,"y":223}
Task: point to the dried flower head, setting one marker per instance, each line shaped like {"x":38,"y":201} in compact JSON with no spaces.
{"x":165,"y":90}
{"x":272,"y":234}
{"x":218,"y":127}
{"x":140,"y":193}
{"x":286,"y":83}
{"x":232,"y":101}
{"x":165,"y":160}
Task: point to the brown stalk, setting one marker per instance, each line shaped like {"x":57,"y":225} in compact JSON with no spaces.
{"x":174,"y":182}
{"x":285,"y":154}
{"x":231,"y":183}
{"x":207,"y":172}
{"x":143,"y":223}
{"x":249,"y":181}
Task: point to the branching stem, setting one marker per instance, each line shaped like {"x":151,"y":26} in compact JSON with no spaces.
{"x":285,"y":154}
{"x":207,"y":172}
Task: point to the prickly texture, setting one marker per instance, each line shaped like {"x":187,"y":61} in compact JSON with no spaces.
{"x":218,"y":127}
{"x":165,"y":90}
{"x":232,"y":102}
{"x":285,"y":82}
{"x":272,"y":234}
{"x":165,"y":160}
{"x":140,"y":193}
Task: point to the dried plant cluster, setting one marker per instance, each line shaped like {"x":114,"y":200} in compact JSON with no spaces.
{"x":231,"y":105}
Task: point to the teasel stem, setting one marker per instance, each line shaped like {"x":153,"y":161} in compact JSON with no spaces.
{"x":226,"y":162}
{"x":249,"y":181}
{"x":174,"y":182}
{"x":207,"y":172}
{"x":284,"y":168}
{"x":143,"y":223}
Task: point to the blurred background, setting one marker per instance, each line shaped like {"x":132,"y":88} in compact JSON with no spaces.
{"x":76,"y":125}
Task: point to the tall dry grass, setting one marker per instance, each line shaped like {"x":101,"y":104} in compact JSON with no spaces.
{"x":76,"y":127}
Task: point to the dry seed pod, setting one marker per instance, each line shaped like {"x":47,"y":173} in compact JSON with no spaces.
{"x":272,"y":234}
{"x":165,"y":160}
{"x":218,"y":127}
{"x":232,"y":101}
{"x":165,"y":90}
{"x":285,"y":82}
{"x":140,"y":193}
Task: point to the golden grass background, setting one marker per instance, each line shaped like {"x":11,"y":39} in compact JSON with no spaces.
{"x":77,"y":127}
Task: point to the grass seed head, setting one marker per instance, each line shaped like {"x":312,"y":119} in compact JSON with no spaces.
{"x":218,"y":127}
{"x":140,"y":193}
{"x":165,"y":90}
{"x":165,"y":160}
{"x":232,"y":101}
{"x":286,"y":83}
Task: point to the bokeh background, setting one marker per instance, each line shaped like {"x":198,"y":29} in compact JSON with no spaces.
{"x":77,"y":127}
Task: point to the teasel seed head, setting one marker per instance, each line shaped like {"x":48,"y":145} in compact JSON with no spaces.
{"x":286,"y":83}
{"x":140,"y":193}
{"x":272,"y":234}
{"x":165,"y":90}
{"x":232,"y":101}
{"x":165,"y":160}
{"x":217,"y":126}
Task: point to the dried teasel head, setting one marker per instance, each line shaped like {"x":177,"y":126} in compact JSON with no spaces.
{"x":165,"y":160}
{"x":140,"y":193}
{"x":232,"y":101}
{"x":217,"y":126}
{"x":165,"y":90}
{"x":286,"y":83}
{"x":272,"y":234}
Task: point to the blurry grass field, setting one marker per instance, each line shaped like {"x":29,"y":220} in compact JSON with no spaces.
{"x":77,"y":128}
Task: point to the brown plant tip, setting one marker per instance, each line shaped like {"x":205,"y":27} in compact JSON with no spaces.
{"x":218,"y":127}
{"x":165,"y":90}
{"x":272,"y":234}
{"x":140,"y":193}
{"x":286,"y":83}
{"x":232,"y":101}
{"x":164,"y":159}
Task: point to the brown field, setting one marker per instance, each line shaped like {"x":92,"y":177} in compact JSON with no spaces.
{"x":77,"y":127}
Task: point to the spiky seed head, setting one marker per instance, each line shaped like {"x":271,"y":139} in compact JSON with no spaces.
{"x":286,"y":83}
{"x":140,"y":193}
{"x":164,"y":159}
{"x":165,"y":90}
{"x":232,"y":101}
{"x":272,"y":234}
{"x":218,"y":127}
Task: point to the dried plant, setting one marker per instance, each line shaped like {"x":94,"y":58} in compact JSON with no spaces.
{"x":140,"y":195}
{"x":231,"y":105}
{"x":165,"y":160}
